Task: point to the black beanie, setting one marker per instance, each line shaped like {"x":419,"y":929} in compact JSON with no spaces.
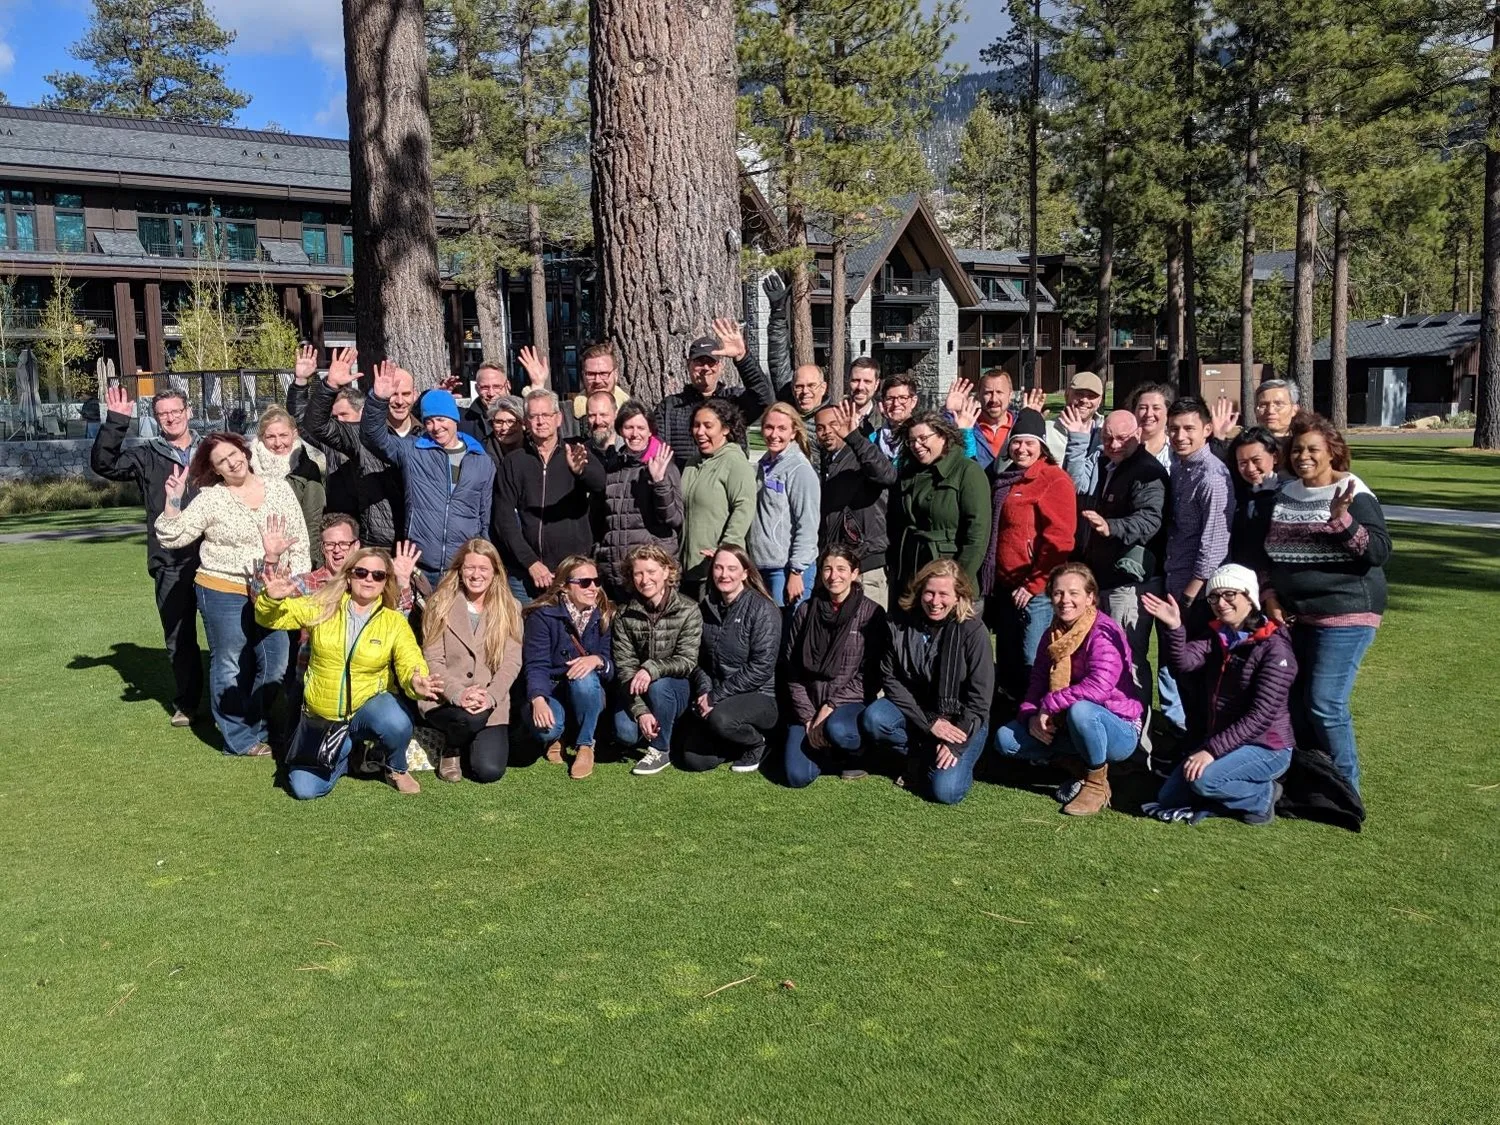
{"x":1029,"y":423}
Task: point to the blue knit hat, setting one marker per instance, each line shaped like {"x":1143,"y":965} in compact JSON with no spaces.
{"x":437,"y":403}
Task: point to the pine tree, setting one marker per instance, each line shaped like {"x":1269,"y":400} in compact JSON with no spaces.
{"x":151,"y":58}
{"x":65,"y":340}
{"x":986,"y":180}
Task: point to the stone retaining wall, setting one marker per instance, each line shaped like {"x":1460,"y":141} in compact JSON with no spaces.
{"x":32,"y":460}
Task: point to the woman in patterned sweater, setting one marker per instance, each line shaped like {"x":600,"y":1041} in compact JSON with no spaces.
{"x":1328,"y":546}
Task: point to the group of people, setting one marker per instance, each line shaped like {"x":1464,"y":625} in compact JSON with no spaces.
{"x":885,"y":589}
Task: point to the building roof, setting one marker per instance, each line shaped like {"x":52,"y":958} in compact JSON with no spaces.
{"x":912,"y":218}
{"x":990,"y":257}
{"x":1424,"y":335}
{"x":94,"y":147}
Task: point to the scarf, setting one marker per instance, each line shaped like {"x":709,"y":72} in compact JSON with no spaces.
{"x":1062,"y":644}
{"x":272,"y":466}
{"x":580,"y":616}
{"x":826,"y":625}
{"x":948,"y":670}
{"x":1003,"y":483}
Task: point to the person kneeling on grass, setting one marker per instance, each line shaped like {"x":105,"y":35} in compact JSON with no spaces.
{"x":567,"y":660}
{"x":357,"y":637}
{"x":1082,"y":703}
{"x":1249,"y":732}
{"x":471,"y":631}
{"x":939,"y":677}
{"x":831,"y":671}
{"x":734,"y":683}
{"x":655,"y":642}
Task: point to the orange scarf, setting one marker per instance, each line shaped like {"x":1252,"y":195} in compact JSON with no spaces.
{"x":1062,"y":644}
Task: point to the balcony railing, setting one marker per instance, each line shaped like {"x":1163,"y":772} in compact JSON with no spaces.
{"x":823,"y":282}
{"x":35,"y":244}
{"x":914,"y":288}
{"x":1000,"y":340}
{"x":32,"y":322}
{"x":1071,"y":339}
{"x":338,"y":326}
{"x":822,"y":337}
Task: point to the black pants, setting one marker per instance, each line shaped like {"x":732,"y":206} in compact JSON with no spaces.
{"x":736,"y":724}
{"x":177,"y":605}
{"x":488,"y":747}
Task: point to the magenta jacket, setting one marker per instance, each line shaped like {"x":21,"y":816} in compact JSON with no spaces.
{"x":1101,"y":674}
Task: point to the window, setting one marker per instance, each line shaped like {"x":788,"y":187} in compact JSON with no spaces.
{"x":205,"y":228}
{"x":68,"y":223}
{"x":315,"y":236}
{"x":20,"y":218}
{"x":348,"y":248}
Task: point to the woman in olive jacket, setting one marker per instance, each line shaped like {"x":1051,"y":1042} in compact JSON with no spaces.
{"x":941,"y":504}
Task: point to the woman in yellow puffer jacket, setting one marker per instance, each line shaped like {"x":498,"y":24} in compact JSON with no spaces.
{"x":359,"y":644}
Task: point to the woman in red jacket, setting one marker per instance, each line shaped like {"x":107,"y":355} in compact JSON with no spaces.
{"x":1035,"y":517}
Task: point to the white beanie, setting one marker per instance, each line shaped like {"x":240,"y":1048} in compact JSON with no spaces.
{"x":1232,"y":576}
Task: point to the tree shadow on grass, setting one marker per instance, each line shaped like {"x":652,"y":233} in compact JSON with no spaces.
{"x":145,"y":675}
{"x":1440,"y":558}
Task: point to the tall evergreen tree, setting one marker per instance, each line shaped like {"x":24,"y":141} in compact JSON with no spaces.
{"x":988,"y":190}
{"x":151,"y":58}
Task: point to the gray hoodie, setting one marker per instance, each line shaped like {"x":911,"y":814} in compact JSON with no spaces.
{"x":784,"y":532}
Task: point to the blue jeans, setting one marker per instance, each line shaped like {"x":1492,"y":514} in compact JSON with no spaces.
{"x":1239,"y":782}
{"x":804,"y":764}
{"x":666,"y":699}
{"x":1096,"y":735}
{"x":245,"y":661}
{"x":884,"y":726}
{"x":583,"y":701}
{"x":776,"y":582}
{"x":1328,"y":659}
{"x":381,"y":720}
{"x":1018,"y":634}
{"x":517,"y":586}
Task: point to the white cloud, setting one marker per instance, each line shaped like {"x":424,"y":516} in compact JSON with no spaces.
{"x":7,"y":57}
{"x":269,"y":26}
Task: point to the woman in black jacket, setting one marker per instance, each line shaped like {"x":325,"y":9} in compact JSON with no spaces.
{"x":831,"y":671}
{"x":642,"y":500}
{"x":939,"y":677}
{"x":734,"y":685}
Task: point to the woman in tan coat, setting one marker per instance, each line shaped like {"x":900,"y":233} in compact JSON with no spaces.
{"x":471,"y":637}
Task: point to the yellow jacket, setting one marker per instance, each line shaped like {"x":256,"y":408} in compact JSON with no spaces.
{"x":386,"y":638}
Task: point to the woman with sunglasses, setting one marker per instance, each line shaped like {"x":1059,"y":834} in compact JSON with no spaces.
{"x":362,"y":651}
{"x":940,"y":507}
{"x":471,"y":636}
{"x":567,"y":660}
{"x":229,"y":515}
{"x":1248,"y":740}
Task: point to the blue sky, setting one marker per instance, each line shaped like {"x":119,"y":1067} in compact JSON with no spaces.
{"x":288,"y":57}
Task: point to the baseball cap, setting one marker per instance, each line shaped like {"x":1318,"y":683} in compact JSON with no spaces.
{"x":703,"y":348}
{"x":1086,"y":381}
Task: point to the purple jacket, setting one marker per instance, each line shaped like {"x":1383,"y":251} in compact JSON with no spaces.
{"x":1252,"y":683}
{"x":1101,"y":674}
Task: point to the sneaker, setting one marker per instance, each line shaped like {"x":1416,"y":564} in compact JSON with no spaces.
{"x":259,"y":750}
{"x":853,"y":773}
{"x":180,"y":719}
{"x":654,"y":762}
{"x":750,"y":760}
{"x":1067,"y":791}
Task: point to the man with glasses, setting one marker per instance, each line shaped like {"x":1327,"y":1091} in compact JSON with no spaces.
{"x":148,"y":465}
{"x":599,"y":368}
{"x":674,"y":414}
{"x":543,"y":496}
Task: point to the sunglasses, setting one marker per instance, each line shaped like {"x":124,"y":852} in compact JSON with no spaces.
{"x":586,"y":583}
{"x":366,"y":572}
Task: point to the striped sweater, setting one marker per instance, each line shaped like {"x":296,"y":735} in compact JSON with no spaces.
{"x":1328,"y":572}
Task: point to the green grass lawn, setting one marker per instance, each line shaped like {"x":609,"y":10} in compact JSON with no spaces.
{"x":183,"y":942}
{"x":72,"y":520}
{"x":1429,"y":472}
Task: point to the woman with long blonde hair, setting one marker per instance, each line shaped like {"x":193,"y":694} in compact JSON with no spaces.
{"x":567,"y":659}
{"x":471,"y":636}
{"x":278,"y":453}
{"x":783,"y":536}
{"x":357,"y":638}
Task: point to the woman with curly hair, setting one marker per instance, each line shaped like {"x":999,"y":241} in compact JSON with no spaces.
{"x":940,"y":507}
{"x":718,"y":493}
{"x":471,"y":636}
{"x":361,"y":653}
{"x":567,"y":660}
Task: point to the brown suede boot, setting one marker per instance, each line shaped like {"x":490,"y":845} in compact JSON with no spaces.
{"x":402,"y":782}
{"x":554,"y":753}
{"x":583,"y":763}
{"x":1093,"y":797}
{"x":450,"y":768}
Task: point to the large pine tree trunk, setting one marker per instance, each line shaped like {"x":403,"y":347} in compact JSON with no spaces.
{"x":803,"y":276}
{"x":532,"y":159}
{"x":491,"y":322}
{"x":1104,"y":292}
{"x":1247,"y":255}
{"x":492,"y":338}
{"x":399,"y":312}
{"x":1304,"y":278}
{"x":665,"y":179}
{"x":1487,"y":393}
{"x":837,"y":341}
{"x":1174,"y":306}
{"x":1338,"y":341}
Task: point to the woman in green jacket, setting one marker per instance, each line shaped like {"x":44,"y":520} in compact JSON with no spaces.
{"x":941,"y":507}
{"x":718,"y":493}
{"x":357,"y":638}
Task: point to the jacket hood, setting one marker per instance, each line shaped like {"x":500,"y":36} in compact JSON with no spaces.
{"x":425,"y":442}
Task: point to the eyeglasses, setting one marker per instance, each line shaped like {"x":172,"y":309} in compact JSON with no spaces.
{"x":163,"y":415}
{"x":366,"y":572}
{"x":1223,"y":595}
{"x":341,"y":545}
{"x":899,"y":398}
{"x":585,"y":583}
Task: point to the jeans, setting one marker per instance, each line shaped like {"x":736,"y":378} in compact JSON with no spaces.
{"x":177,"y":606}
{"x":488,"y":746}
{"x":583,"y":701}
{"x":1018,"y":634}
{"x":1328,"y":659}
{"x":245,"y":661}
{"x":381,"y":719}
{"x":1096,"y":735}
{"x":517,"y":586}
{"x":1239,"y":782}
{"x":738,"y":723}
{"x":884,"y":726}
{"x":805,"y":764}
{"x":667,"y":699}
{"x":776,"y":582}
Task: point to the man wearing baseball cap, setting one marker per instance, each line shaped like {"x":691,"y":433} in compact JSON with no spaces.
{"x":1073,"y":436}
{"x":705,"y":369}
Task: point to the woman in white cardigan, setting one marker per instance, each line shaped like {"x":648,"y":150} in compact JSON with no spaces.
{"x":228,"y":514}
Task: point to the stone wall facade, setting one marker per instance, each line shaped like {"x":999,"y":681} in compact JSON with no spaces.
{"x":34,"y":460}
